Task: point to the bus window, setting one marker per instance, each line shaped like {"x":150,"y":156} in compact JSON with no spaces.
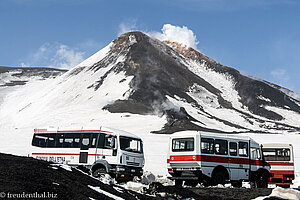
{"x":276,"y":154}
{"x":243,"y":149}
{"x":71,"y":140}
{"x":59,"y":140}
{"x":131,"y":144}
{"x":51,"y":140}
{"x":40,"y":140}
{"x":101,"y":141}
{"x":109,"y":142}
{"x":85,"y":141}
{"x":233,"y":148}
{"x":207,"y":145}
{"x":94,"y":140}
{"x":221,"y":147}
{"x":184,"y":144}
{"x":255,"y":153}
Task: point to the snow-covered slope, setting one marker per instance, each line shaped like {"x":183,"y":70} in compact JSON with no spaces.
{"x":143,"y":85}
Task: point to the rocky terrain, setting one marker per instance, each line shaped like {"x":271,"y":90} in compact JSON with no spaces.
{"x":27,"y":176}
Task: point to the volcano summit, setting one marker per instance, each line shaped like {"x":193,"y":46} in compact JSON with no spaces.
{"x":136,"y":75}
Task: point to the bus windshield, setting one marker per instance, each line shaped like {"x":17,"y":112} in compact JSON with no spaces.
{"x":276,"y":154}
{"x":131,"y":144}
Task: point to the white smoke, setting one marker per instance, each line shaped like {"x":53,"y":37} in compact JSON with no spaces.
{"x":55,"y":55}
{"x":182,"y":35}
{"x":129,"y":25}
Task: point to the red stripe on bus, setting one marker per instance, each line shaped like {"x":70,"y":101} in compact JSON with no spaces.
{"x":217,"y":159}
{"x":282,"y":172}
{"x":83,"y":131}
{"x":66,"y":154}
{"x":57,"y":154}
{"x":281,"y":164}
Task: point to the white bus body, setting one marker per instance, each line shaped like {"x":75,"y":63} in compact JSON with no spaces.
{"x":102,"y":150}
{"x":281,"y":158}
{"x":213,"y":158}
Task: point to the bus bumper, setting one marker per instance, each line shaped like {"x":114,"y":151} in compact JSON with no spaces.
{"x":126,"y":173}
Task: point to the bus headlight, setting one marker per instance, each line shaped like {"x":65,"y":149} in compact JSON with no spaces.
{"x":120,"y":169}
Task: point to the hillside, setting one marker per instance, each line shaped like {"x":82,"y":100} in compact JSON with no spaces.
{"x":27,"y":176}
{"x":144,"y":86}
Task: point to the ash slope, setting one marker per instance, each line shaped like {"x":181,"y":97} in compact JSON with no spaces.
{"x":13,"y":76}
{"x":31,"y":176}
{"x":192,"y":90}
{"x":37,"y":177}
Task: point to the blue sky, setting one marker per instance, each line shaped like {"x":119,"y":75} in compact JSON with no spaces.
{"x":260,"y":38}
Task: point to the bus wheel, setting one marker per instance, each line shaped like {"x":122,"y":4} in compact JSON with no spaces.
{"x":262,"y":180}
{"x":218,"y":178}
{"x":99,"y":173}
{"x":192,"y":183}
{"x":237,"y":184}
{"x":178,"y":183}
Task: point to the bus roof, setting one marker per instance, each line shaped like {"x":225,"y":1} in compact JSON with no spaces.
{"x":277,"y":145}
{"x":211,"y":134}
{"x":112,"y":131}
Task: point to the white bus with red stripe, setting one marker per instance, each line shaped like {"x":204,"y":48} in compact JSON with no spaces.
{"x":281,"y":158}
{"x":215,"y":158}
{"x":102,"y":150}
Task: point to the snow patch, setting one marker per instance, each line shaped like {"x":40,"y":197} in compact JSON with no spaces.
{"x":63,"y":166}
{"x":282,"y":193}
{"x":263,"y":98}
{"x":105,"y":193}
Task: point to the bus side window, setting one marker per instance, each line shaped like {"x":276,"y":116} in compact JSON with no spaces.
{"x":59,"y":140}
{"x":243,"y":149}
{"x":255,"y":153}
{"x":51,"y":140}
{"x":40,"y":140}
{"x":100,"y":143}
{"x":233,"y":148}
{"x":69,"y":139}
{"x":94,"y":140}
{"x":85,"y":141}
{"x":221,"y":147}
{"x":109,"y":142}
{"x":207,"y":145}
{"x":72,"y":140}
{"x":76,"y":142}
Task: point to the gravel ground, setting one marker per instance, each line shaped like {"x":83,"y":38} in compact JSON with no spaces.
{"x":23,"y":175}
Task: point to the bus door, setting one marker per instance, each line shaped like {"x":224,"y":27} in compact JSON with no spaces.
{"x":87,"y":148}
{"x":233,"y":161}
{"x":244,"y":160}
{"x":256,"y":158}
{"x":110,"y":147}
{"x":221,"y":150}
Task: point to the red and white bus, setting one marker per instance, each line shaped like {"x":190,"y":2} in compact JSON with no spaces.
{"x":102,"y":150}
{"x":281,"y":158}
{"x":215,"y":158}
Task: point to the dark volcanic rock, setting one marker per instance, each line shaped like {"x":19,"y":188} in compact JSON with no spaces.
{"x":20,"y":175}
{"x":23,"y":175}
{"x":25,"y":73}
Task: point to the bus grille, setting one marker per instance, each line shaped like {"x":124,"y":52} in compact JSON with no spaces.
{"x":133,"y":163}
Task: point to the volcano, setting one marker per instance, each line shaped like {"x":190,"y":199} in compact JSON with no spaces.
{"x":193,"y":91}
{"x":136,"y":75}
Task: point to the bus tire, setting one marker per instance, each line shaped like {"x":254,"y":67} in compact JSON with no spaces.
{"x":178,"y":183}
{"x":218,"y":178}
{"x":237,"y":184}
{"x":100,"y":172}
{"x":192,"y":183}
{"x":262,"y":180}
